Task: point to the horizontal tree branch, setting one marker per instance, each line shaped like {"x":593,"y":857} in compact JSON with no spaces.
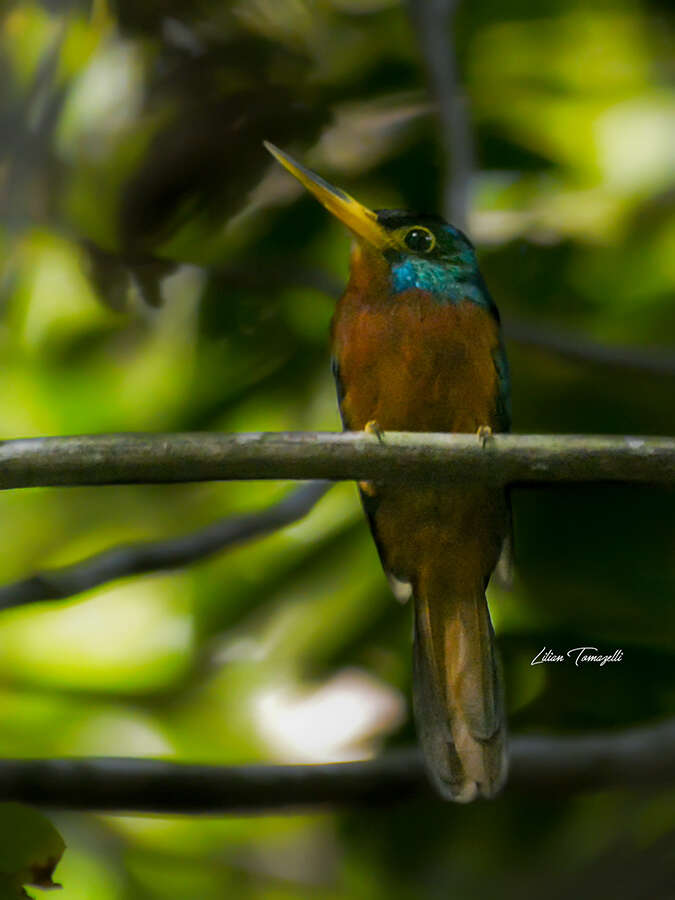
{"x":397,"y":456}
{"x":156,"y":556}
{"x":634,"y":758}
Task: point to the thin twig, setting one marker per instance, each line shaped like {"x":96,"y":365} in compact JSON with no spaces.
{"x":434,"y":24}
{"x":634,"y":758}
{"x":571,"y":345}
{"x":434,"y":20}
{"x":157,"y":556}
{"x":400,"y":456}
{"x":577,"y":347}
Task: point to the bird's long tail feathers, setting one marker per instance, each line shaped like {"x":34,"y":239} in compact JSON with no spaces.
{"x":458,"y":694}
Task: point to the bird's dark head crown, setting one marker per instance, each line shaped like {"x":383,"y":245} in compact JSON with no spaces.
{"x":426,"y":236}
{"x":422,"y":251}
{"x":426,"y":253}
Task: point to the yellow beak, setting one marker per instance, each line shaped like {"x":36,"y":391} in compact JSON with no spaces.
{"x":358,"y":218}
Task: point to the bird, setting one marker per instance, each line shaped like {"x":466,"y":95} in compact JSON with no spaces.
{"x":417,"y":346}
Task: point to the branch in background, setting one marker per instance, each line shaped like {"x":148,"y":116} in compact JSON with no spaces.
{"x":354,"y":456}
{"x":567,"y":344}
{"x":433,"y":21}
{"x":655,"y":361}
{"x":157,"y":556}
{"x":434,"y":24}
{"x":635,"y":758}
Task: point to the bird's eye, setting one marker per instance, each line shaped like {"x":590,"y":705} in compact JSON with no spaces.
{"x":420,"y":240}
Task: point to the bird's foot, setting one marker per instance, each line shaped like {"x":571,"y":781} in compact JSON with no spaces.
{"x":484,"y":433}
{"x":372,"y":427}
{"x":367,"y":488}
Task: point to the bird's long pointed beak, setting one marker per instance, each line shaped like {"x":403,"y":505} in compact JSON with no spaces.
{"x":358,"y":218}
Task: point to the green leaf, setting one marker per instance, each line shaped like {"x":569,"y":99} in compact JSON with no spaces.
{"x":30,"y":849}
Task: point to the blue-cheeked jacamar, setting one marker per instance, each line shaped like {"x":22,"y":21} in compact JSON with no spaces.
{"x":417,"y":346}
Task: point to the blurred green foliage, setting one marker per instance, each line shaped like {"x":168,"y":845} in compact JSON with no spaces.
{"x":157,"y":272}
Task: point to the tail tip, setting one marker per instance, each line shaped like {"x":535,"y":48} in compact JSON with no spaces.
{"x":468,"y":790}
{"x":481,"y":773}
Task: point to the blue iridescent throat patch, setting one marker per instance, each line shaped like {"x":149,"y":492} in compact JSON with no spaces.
{"x":448,"y":283}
